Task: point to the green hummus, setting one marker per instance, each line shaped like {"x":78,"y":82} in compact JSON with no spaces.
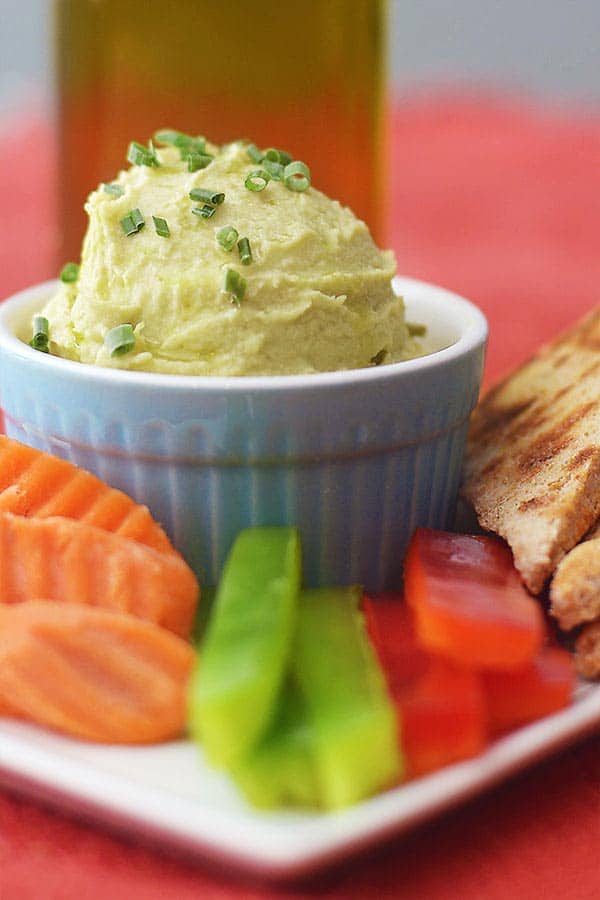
{"x":317,"y":291}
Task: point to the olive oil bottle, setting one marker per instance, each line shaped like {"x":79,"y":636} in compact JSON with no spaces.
{"x":305,"y":77}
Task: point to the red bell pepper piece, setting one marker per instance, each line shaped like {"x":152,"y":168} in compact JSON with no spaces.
{"x":441,"y":709}
{"x":469,"y":603}
{"x":541,"y":687}
{"x":442,"y":717}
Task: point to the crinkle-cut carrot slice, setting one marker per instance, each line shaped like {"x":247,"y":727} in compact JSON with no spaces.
{"x":93,"y":673}
{"x":34,"y":483}
{"x":68,"y":561}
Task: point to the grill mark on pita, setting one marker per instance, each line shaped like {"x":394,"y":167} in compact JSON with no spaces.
{"x":540,"y":500}
{"x":491,"y":466}
{"x":498,"y":418}
{"x":560,"y":360}
{"x":591,"y":369}
{"x":581,"y":458}
{"x":530,"y":423}
{"x":552,"y":442}
{"x":535,"y":502}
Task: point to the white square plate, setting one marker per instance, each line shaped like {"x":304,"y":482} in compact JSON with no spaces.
{"x":167,"y":792}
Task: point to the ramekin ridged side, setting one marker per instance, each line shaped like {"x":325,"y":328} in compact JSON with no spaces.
{"x":355,"y":459}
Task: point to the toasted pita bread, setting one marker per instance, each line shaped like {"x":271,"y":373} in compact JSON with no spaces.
{"x":587,"y":651}
{"x":575,"y":588}
{"x":533,"y":459}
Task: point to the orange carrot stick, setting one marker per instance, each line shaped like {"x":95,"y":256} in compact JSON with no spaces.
{"x":33,"y":483}
{"x":93,"y":673}
{"x":68,"y":561}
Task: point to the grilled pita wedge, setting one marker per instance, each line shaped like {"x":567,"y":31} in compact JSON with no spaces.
{"x":575,"y":588}
{"x":533,"y":459}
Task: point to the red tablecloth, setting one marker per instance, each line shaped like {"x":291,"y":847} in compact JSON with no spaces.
{"x":500,"y":201}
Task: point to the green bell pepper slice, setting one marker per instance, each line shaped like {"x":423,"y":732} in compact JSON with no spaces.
{"x":247,"y":644}
{"x":280,"y":771}
{"x":353,"y":722}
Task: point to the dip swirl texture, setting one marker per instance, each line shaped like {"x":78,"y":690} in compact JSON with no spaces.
{"x":318,"y":294}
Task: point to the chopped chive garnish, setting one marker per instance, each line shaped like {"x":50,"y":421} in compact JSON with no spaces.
{"x":133,"y":222}
{"x":205,"y":211}
{"x":257,"y":180}
{"x":185,"y":143}
{"x":161,"y":226}
{"x":234,"y":284}
{"x":245,"y":251}
{"x":278,"y":156}
{"x":297,"y":176}
{"x":197,"y":160}
{"x":166,"y":136}
{"x":199,"y":144}
{"x":41,"y":328}
{"x":254,"y":153}
{"x":175,"y":138}
{"x":115,"y":190}
{"x":227,"y":237}
{"x":379,"y":357}
{"x":139,"y":155}
{"x":69,"y":273}
{"x":275,"y":169}
{"x":213,"y":197}
{"x":415,"y":329}
{"x":138,"y":218}
{"x":120,"y":340}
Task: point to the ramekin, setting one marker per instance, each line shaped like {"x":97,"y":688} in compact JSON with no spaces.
{"x":356,"y":459}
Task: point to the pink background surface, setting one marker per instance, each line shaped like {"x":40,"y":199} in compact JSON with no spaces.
{"x":500,"y":201}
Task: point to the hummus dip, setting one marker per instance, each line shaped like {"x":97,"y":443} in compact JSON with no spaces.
{"x":316,"y":295}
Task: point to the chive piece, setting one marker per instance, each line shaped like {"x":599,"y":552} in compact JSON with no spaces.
{"x":174,"y":138}
{"x":196,"y":160}
{"x":297,"y":176}
{"x":166,"y":136}
{"x":245,"y":251}
{"x":138,"y":218}
{"x":205,"y":211}
{"x":185,"y":143}
{"x":234,"y":284}
{"x":115,"y":190}
{"x":120,"y":340}
{"x":285,"y":158}
{"x":275,"y":169}
{"x":227,"y":237}
{"x":199,"y":144}
{"x":161,"y":226}
{"x":379,"y":357}
{"x":213,"y":197}
{"x":133,"y":222}
{"x":257,"y":180}
{"x":254,"y":153}
{"x":415,"y":329}
{"x":40,"y":344}
{"x":128,"y":225}
{"x":278,"y":156}
{"x":69,"y":273}
{"x":139,"y":155}
{"x":41,"y":328}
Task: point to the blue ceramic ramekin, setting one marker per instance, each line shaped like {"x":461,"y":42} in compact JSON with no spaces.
{"x":355,"y":459}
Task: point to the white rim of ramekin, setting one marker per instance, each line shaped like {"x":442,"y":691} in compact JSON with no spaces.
{"x":473,"y":335}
